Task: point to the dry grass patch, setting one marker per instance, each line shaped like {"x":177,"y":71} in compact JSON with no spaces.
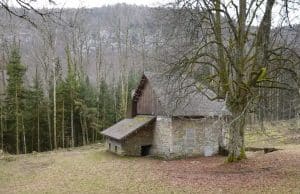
{"x":92,"y":170}
{"x":275,"y":133}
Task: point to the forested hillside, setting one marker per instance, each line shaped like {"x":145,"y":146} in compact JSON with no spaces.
{"x":109,"y":37}
{"x":70,"y":77}
{"x":67,"y":112}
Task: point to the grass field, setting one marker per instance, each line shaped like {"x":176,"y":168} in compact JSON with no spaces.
{"x":91,"y":169}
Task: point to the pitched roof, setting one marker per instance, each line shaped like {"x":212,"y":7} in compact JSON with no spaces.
{"x":180,"y":97}
{"x":127,"y":126}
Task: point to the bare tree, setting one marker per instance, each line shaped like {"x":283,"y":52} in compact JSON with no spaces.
{"x":243,"y":56}
{"x":25,"y":10}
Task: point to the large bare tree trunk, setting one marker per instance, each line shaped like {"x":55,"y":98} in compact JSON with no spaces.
{"x":221,"y":57}
{"x":236,"y":144}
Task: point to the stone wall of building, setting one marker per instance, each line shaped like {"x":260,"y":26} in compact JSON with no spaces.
{"x":162,"y":137}
{"x":213,"y":137}
{"x":143,"y":137}
{"x":114,"y":146}
{"x":131,"y":145}
{"x":173,"y":138}
{"x":194,"y":137}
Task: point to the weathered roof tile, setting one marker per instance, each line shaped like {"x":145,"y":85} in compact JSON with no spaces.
{"x":182,"y":98}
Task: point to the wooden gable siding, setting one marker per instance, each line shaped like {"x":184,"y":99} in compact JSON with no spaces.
{"x":147,"y":103}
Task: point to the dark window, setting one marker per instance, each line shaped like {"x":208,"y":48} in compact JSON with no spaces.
{"x":109,"y":146}
{"x":116,"y":148}
{"x":145,"y":150}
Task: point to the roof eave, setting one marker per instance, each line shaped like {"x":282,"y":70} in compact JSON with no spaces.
{"x":119,"y":139}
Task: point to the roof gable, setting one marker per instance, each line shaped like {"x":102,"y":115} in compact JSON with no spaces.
{"x":181,"y":97}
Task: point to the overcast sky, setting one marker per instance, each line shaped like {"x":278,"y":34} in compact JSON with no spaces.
{"x":294,"y":13}
{"x":97,"y":3}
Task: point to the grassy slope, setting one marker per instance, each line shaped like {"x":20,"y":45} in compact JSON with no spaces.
{"x":92,"y":170}
{"x":273,"y":134}
{"x":84,"y":170}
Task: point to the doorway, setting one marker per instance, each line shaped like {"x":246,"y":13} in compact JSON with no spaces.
{"x":145,"y":150}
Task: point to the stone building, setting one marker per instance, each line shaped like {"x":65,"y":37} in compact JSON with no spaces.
{"x":170,"y":118}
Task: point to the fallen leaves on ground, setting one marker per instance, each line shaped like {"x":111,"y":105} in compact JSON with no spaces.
{"x":91,"y":169}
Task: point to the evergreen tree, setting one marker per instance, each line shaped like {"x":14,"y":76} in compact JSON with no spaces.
{"x":106,"y":110}
{"x":72,"y":91}
{"x":82,"y":111}
{"x":34,"y":99}
{"x":15,"y":95}
{"x":62,"y":97}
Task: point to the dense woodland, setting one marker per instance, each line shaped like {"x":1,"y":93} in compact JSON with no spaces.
{"x":70,"y":77}
{"x":49,"y":99}
{"x":71,"y":113}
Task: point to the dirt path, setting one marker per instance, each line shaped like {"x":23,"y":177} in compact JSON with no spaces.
{"x":91,"y":170}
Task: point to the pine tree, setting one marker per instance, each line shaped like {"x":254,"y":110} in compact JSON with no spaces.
{"x":35,"y":98}
{"x":15,"y":94}
{"x":62,"y":97}
{"x":107,"y":114}
{"x":85,"y":105}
